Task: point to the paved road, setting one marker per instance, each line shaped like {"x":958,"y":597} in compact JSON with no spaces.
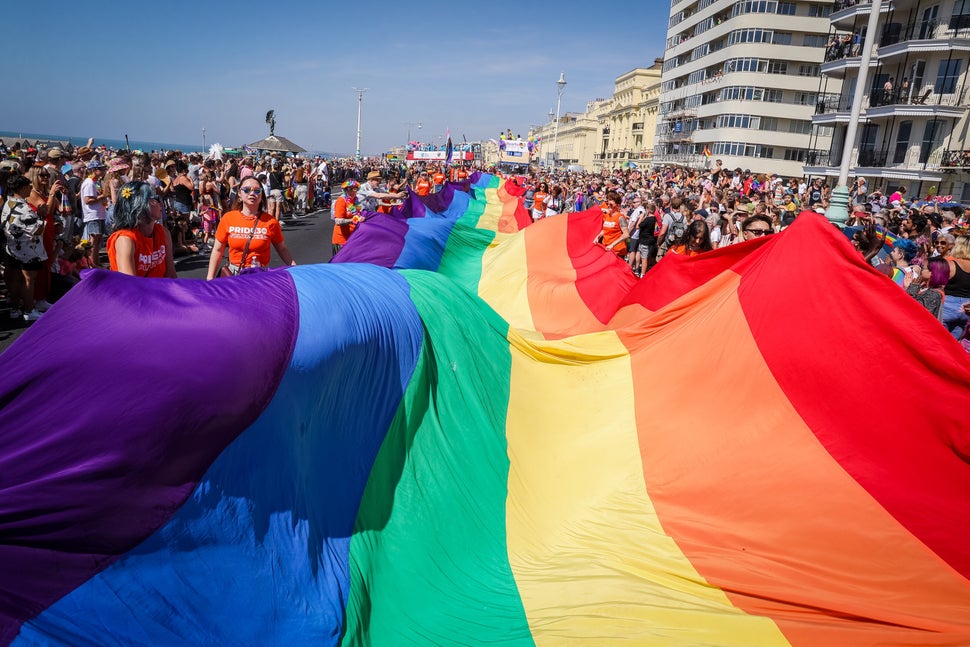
{"x":308,"y":239}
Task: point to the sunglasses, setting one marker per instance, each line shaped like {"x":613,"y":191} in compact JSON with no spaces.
{"x":247,"y":190}
{"x":758,"y":232}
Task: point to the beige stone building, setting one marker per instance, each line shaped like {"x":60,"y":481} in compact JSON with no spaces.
{"x":610,"y":132}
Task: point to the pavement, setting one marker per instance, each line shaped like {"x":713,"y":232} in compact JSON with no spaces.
{"x":308,"y":239}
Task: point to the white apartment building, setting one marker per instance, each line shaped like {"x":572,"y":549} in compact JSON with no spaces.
{"x":740,"y":81}
{"x":913,"y":127}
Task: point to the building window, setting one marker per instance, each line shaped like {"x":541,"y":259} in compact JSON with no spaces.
{"x":786,"y":8}
{"x":807,"y":69}
{"x":814,"y":40}
{"x":960,"y":18}
{"x":947,"y":76}
{"x":782,"y":38}
{"x":816,"y":10}
{"x":777,"y":67}
{"x":931,"y":135}
{"x":795,"y":154}
{"x":768,"y":123}
{"x":774,"y":96}
{"x":750,"y":36}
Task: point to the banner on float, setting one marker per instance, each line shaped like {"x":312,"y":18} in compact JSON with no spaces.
{"x":439,"y":156}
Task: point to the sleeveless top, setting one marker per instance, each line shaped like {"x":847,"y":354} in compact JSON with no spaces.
{"x":959,"y":285}
{"x":183,"y":194}
{"x":150,"y":251}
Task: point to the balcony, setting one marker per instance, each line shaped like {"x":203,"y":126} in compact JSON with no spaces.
{"x":915,"y":103}
{"x":955,"y":159}
{"x":683,"y":159}
{"x":958,"y":26}
{"x":873,"y":158}
{"x":830,"y":103}
{"x":908,"y":159}
{"x":845,"y":12}
{"x":818,"y":157}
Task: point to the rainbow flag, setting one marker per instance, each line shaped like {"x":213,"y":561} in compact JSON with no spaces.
{"x":498,"y":437}
{"x":707,"y":151}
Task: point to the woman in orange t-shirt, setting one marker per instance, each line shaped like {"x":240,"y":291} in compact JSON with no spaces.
{"x":615,"y":231}
{"x":346,"y":215}
{"x":140,"y":245}
{"x":252,"y":226}
{"x":539,"y":202}
{"x":423,"y":185}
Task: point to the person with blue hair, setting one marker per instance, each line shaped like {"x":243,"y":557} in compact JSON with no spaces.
{"x":904,"y":251}
{"x":140,"y":245}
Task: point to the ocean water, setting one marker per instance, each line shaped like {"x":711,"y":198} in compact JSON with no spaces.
{"x":111,"y":143}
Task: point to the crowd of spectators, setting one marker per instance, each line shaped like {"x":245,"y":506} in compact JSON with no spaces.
{"x":57,"y":216}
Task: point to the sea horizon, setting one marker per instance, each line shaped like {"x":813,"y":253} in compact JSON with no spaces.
{"x":134,"y":144}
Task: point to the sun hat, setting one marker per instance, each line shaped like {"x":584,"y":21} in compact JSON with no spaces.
{"x":374,"y":175}
{"x":94,"y":164}
{"x":118,"y":164}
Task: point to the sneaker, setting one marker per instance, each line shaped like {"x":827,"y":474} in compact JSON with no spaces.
{"x":16,"y":314}
{"x":33,"y":315}
{"x":43,"y":305}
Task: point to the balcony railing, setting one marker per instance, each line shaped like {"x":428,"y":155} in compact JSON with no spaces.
{"x":956,"y":159}
{"x":843,"y":47}
{"x":685,"y":159}
{"x":818,"y":157}
{"x":833,"y":103}
{"x":873,"y":158}
{"x":902,"y":96}
{"x":845,"y":4}
{"x":958,"y":25}
{"x":909,"y":158}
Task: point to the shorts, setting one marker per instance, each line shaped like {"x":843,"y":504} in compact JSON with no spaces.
{"x":93,"y":228}
{"x":33,"y":266}
{"x":276,"y":194}
{"x":181,"y":207}
{"x":644,"y":249}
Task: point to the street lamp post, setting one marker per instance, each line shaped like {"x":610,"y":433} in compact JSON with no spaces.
{"x":416,"y":124}
{"x":203,"y":140}
{"x":560,"y":87}
{"x":838,"y":211}
{"x":360,"y":100}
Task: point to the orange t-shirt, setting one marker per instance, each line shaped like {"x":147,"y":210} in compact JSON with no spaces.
{"x":150,"y":252}
{"x":612,"y":231}
{"x":233,"y":232}
{"x":423,"y":187}
{"x":439,"y":178}
{"x":683,"y":251}
{"x":462,"y":174}
{"x":540,"y":201}
{"x":342,"y":210}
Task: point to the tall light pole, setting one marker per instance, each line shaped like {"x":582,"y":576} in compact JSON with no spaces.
{"x":416,"y":124}
{"x":203,"y":139}
{"x":838,"y":211}
{"x":560,"y":87}
{"x":360,"y":100}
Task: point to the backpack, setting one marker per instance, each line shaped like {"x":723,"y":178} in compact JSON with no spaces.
{"x":676,"y":229}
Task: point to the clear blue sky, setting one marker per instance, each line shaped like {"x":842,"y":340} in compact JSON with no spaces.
{"x":163,"y":71}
